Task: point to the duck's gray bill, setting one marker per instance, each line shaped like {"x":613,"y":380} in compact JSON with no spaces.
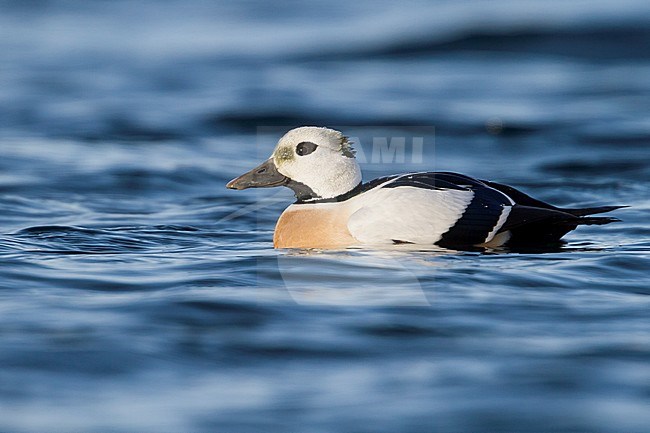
{"x":265,"y":175}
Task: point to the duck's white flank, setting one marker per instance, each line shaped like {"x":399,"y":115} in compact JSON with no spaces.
{"x":407,"y":214}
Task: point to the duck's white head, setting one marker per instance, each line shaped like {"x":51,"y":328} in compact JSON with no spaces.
{"x":316,"y":163}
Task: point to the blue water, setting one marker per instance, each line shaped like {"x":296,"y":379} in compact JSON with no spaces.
{"x":138,"y":294}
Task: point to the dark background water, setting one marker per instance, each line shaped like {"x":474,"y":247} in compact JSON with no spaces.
{"x":138,"y":294}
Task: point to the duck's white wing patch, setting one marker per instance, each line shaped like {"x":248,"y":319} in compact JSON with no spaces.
{"x":501,"y":221}
{"x":407,"y":214}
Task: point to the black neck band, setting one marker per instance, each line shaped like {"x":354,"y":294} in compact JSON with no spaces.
{"x":311,"y":197}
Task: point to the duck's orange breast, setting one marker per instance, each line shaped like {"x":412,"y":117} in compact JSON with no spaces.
{"x":313,"y":226}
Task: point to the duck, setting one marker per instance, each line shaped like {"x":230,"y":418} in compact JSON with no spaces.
{"x":334,"y":209}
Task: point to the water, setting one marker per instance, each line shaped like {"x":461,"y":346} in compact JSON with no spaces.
{"x":138,"y":294}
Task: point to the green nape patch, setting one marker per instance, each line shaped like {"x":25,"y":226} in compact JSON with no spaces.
{"x":284,"y":154}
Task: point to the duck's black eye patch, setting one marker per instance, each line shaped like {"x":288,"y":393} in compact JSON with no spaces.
{"x":305,"y":148}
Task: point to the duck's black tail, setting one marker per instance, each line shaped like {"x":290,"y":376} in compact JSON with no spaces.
{"x":534,"y":225}
{"x":534,"y":221}
{"x":581,"y":212}
{"x":585,"y":219}
{"x":525,"y":200}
